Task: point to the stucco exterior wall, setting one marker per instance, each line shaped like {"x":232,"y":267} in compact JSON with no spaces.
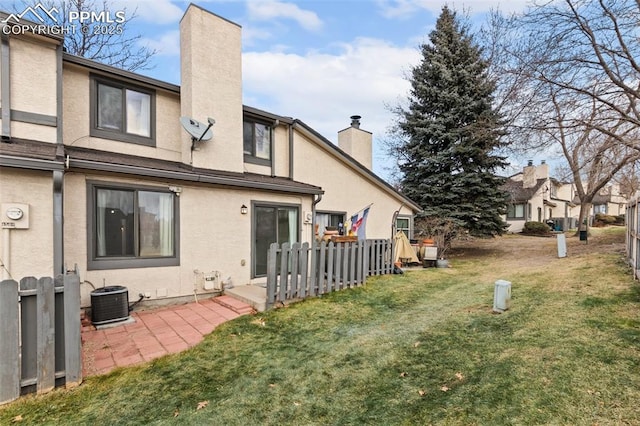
{"x":31,"y":251}
{"x":211,"y":86}
{"x":358,"y":144}
{"x":281,"y":150}
{"x":345,"y":189}
{"x":77,"y":121}
{"x":214,"y":236}
{"x":33,"y":85}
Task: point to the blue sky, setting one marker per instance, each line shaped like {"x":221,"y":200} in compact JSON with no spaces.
{"x":318,"y":61}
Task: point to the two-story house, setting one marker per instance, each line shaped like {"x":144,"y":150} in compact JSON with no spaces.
{"x":105,"y":177}
{"x":535,"y":196}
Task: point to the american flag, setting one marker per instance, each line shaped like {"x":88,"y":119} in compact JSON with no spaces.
{"x":359,"y":223}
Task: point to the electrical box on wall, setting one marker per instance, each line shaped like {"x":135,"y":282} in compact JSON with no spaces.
{"x":308,"y":217}
{"x":14,"y":215}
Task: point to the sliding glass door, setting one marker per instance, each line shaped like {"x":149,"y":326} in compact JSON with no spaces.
{"x":272,"y":224}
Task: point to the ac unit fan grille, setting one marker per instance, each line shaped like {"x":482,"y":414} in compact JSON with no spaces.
{"x":109,"y":304}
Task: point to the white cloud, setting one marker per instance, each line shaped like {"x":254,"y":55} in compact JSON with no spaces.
{"x":250,"y":34}
{"x":269,"y":10}
{"x":399,"y":9}
{"x":166,"y":44}
{"x":155,"y":11}
{"x":324,"y":90}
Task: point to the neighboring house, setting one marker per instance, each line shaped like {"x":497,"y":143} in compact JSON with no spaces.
{"x":609,"y":200}
{"x":534,"y":196}
{"x":108,"y":179}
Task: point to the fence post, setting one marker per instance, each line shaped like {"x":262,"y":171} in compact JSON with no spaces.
{"x":330,"y":259}
{"x":360,"y":261}
{"x":338,"y":264}
{"x":28,"y":331}
{"x":295,"y":255}
{"x":46,"y":333}
{"x":72,"y":334}
{"x":352,"y":266}
{"x":313,"y":277}
{"x":272,"y":278}
{"x":284,"y":272}
{"x":323,"y":269}
{"x":10,"y":347}
{"x":304,"y":270}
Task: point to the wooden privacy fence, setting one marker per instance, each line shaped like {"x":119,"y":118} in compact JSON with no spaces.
{"x":40,"y":345}
{"x":632,"y":221}
{"x":299,"y":271}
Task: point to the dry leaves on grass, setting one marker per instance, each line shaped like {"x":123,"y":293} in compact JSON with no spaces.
{"x":422,"y":393}
{"x":259,"y":321}
{"x":202,"y":404}
{"x":17,"y":419}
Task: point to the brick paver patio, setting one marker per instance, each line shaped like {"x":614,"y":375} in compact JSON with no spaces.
{"x":155,"y":333}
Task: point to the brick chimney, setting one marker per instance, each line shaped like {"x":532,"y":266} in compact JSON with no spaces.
{"x":357,"y":143}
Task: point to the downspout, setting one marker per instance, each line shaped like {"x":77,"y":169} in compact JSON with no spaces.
{"x":393,"y":231}
{"x":393,"y":221}
{"x":58,"y":177}
{"x":5,"y":85}
{"x":272,"y":147}
{"x":5,"y":98}
{"x":291,"y":154}
{"x":313,"y":219}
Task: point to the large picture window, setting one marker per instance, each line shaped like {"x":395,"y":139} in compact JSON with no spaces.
{"x":132,"y":227}
{"x":122,"y":112}
{"x":256,"y":142}
{"x":516,"y":211}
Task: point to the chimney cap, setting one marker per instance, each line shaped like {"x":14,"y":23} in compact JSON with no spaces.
{"x":355,"y":121}
{"x":530,"y":163}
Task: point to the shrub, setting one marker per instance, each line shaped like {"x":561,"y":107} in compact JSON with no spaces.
{"x":602,"y":219}
{"x":536,"y":228}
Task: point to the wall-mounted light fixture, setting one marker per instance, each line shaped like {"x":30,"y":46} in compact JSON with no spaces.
{"x":244,"y":209}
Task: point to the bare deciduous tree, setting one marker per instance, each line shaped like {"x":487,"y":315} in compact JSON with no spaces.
{"x":109,"y":43}
{"x":571,"y":81}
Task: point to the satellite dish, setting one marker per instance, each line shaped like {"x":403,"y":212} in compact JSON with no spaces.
{"x":199,"y":131}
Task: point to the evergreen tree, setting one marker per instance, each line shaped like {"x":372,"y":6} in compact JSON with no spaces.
{"x":451,"y":133}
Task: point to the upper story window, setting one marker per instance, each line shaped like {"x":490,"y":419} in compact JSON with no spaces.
{"x":122,"y":112}
{"x":257,"y":142}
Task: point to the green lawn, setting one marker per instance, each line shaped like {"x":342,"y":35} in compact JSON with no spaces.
{"x":419,"y":348}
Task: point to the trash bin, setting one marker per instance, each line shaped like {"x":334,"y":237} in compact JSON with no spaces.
{"x":502,"y":296}
{"x":583,"y":235}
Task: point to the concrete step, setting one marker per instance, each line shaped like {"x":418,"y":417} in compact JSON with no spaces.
{"x":237,"y":305}
{"x":253,"y":295}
